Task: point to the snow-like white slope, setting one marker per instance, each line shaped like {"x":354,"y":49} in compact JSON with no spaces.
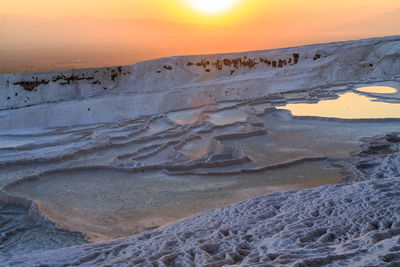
{"x":348,"y":225}
{"x":112,"y":94}
{"x":106,"y":128}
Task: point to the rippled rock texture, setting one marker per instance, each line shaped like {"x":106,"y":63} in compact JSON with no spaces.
{"x":354,"y":224}
{"x":19,"y":234}
{"x":106,"y":145}
{"x":378,"y":158}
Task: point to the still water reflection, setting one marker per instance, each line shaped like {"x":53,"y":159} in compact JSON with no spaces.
{"x":347,"y":106}
{"x":378,"y":89}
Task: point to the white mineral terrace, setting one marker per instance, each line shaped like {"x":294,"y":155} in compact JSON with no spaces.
{"x":214,"y":160}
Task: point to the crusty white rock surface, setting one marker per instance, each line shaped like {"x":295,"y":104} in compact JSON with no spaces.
{"x":157,"y":114}
{"x":354,"y":224}
{"x":378,"y":158}
{"x":19,"y":234}
{"x":113,"y":94}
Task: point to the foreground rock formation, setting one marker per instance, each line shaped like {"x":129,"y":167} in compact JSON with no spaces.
{"x":104,"y":153}
{"x":352,"y":224}
{"x":378,"y":158}
{"x":21,"y":234}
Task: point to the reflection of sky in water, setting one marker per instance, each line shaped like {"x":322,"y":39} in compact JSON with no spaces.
{"x":228,"y":116}
{"x":347,"y":106}
{"x":158,"y":125}
{"x":196,"y":149}
{"x":378,"y":89}
{"x":222,"y":117}
{"x":185,"y":116}
{"x":190,"y":116}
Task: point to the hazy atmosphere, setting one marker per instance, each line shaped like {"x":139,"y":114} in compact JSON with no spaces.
{"x":46,"y":34}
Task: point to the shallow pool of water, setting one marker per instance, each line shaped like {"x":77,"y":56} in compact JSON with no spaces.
{"x":378,"y":89}
{"x":184,"y":117}
{"x":347,"y":106}
{"x":229,"y":116}
{"x":109,"y":204}
{"x":196,"y":149}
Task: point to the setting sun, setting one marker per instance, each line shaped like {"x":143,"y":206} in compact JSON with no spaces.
{"x":212,"y":6}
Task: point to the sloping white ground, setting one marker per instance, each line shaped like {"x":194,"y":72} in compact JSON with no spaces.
{"x":347,"y":224}
{"x":378,"y":158}
{"x":20,"y":234}
{"x":153,"y":87}
{"x":353,"y":224}
{"x":113,"y":180}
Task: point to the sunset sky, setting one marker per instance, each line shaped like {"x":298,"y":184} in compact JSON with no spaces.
{"x":177,"y":27}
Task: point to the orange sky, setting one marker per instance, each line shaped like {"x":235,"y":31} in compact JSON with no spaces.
{"x":173,"y":27}
{"x":178,"y":10}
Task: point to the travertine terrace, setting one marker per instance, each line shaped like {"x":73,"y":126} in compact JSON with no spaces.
{"x":87,"y":156}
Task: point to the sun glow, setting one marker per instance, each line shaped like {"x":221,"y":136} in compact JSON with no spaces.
{"x":212,"y":6}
